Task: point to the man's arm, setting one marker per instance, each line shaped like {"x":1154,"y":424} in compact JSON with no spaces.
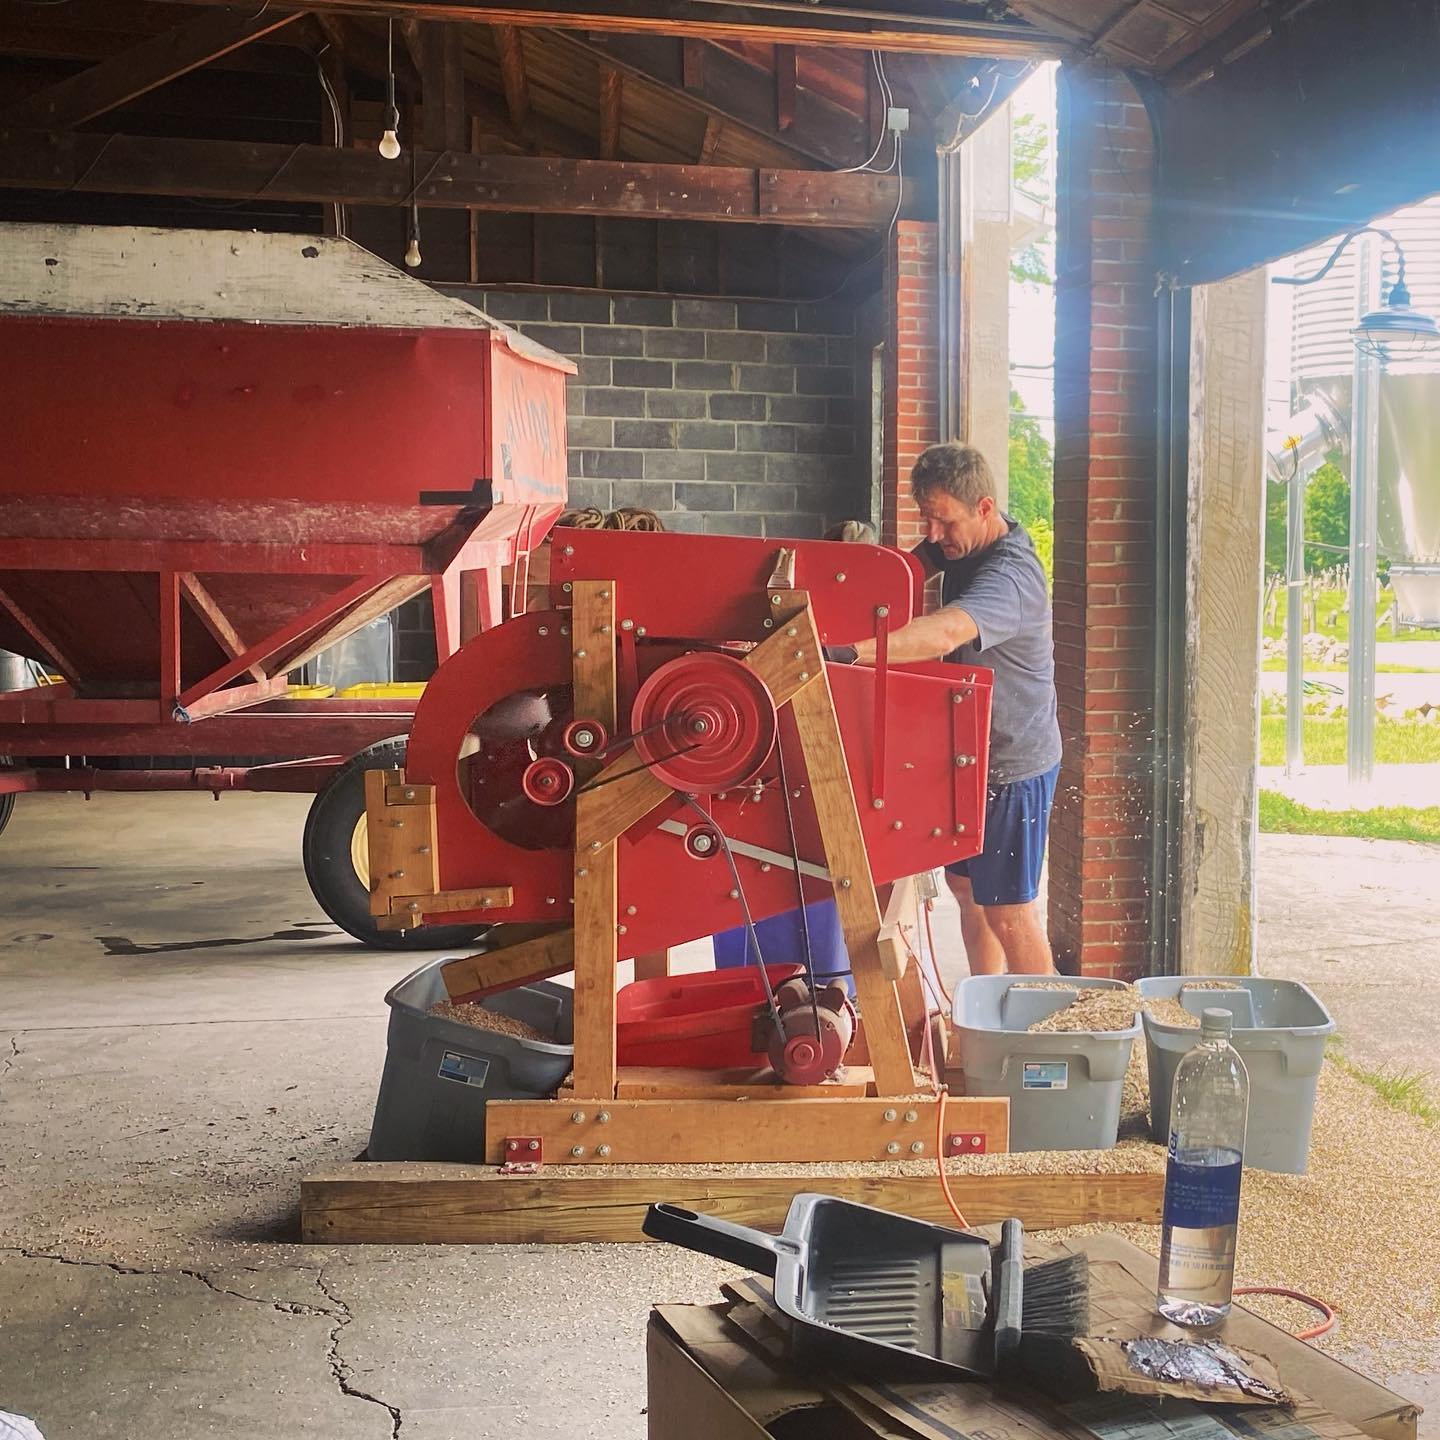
{"x":930,"y":637}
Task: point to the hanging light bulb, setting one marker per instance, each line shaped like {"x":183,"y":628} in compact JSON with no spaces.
{"x":390,"y":140}
{"x":412,"y":250}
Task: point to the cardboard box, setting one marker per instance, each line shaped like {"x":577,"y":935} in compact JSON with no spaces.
{"x":720,"y":1372}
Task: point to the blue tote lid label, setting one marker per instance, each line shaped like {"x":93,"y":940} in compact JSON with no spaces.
{"x":1045,"y":1075}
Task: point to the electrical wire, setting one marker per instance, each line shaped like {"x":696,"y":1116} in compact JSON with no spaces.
{"x":887,"y":96}
{"x":337,"y":207}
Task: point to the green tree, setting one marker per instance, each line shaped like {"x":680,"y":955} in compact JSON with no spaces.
{"x":1327,"y":516}
{"x":1032,"y":467}
{"x":1327,"y":520}
{"x":1030,"y":175}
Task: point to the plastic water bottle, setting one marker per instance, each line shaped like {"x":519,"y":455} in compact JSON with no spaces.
{"x":1202,"y":1178}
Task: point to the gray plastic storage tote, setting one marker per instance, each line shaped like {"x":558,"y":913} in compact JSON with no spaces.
{"x":439,"y":1073}
{"x":1065,"y":1087}
{"x":1280,"y":1030}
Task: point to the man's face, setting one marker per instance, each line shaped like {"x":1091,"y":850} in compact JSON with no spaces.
{"x":957,"y":528}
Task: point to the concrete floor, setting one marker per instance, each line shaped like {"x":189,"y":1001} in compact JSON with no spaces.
{"x":182,"y":1034}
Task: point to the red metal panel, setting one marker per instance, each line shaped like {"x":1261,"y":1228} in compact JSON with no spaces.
{"x":712,"y":587}
{"x":247,"y":733}
{"x":315,"y":420}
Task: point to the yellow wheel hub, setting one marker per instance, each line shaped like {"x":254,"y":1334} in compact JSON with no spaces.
{"x":360,"y":850}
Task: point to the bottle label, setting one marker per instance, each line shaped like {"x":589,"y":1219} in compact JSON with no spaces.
{"x":1202,"y":1206}
{"x":1201,"y":1195}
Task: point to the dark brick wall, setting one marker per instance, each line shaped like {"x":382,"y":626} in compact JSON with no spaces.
{"x":725,"y":417}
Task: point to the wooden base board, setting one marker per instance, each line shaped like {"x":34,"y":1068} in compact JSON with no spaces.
{"x":726,"y":1131}
{"x":405,"y":1203}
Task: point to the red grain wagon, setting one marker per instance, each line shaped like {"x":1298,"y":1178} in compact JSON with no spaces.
{"x":226,"y":452}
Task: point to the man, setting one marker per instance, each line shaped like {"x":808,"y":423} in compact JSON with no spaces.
{"x":996,"y":612}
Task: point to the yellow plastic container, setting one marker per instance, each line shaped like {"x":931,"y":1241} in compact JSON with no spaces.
{"x":309,"y":692}
{"x":379,"y":690}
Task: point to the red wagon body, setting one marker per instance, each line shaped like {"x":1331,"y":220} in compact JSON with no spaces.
{"x":225,"y":453}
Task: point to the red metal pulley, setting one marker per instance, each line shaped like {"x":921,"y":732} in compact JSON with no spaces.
{"x":548,"y":781}
{"x":584,"y":737}
{"x":704,"y":722}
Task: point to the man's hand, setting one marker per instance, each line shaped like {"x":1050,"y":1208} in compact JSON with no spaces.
{"x":930,"y":637}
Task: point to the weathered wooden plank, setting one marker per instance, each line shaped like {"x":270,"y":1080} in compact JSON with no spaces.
{"x":539,"y":957}
{"x":222,"y":169}
{"x":670,"y":1131}
{"x":420,"y":1204}
{"x":512,"y":73}
{"x":612,"y":100}
{"x":140,"y":68}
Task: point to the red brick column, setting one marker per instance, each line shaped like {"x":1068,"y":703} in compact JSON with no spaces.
{"x":912,"y":374}
{"x":1105,"y":457}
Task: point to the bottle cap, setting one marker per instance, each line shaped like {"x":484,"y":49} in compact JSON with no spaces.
{"x":1215,"y":1021}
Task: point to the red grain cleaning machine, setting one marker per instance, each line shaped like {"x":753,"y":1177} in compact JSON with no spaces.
{"x":226,"y":452}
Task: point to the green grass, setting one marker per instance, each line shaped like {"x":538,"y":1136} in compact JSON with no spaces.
{"x":1397,"y":742}
{"x":1405,"y":1090}
{"x":1280,"y":815}
{"x":1331,"y":622}
{"x":1384,"y":667}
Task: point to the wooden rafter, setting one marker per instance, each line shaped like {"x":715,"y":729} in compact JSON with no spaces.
{"x":612,"y":93}
{"x":142,"y":68}
{"x":714,"y":125}
{"x":923,"y":30}
{"x":442,"y":87}
{"x":730,"y":88}
{"x":785,"y":87}
{"x":512,"y":73}
{"x":133,"y":165}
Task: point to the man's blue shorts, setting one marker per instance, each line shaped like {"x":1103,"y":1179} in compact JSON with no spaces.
{"x":1017,"y":823}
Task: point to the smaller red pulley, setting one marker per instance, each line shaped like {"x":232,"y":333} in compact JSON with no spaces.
{"x":584,"y":737}
{"x":704,"y":722}
{"x":816,"y":1034}
{"x":548,"y":781}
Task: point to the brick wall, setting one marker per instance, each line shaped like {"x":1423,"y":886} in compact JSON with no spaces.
{"x":912,"y":381}
{"x":1104,"y":525}
{"x":727,"y":417}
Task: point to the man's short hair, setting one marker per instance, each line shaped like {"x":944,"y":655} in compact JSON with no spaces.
{"x":958,"y":470}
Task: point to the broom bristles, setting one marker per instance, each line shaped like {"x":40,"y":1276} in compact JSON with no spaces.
{"x":1055,"y":1299}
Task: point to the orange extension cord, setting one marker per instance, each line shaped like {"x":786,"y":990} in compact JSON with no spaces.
{"x":941,"y":1091}
{"x":1315,"y":1331}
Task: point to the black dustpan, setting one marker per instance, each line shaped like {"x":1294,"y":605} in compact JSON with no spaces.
{"x":867,"y":1290}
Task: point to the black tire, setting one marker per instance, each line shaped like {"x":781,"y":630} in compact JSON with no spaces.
{"x":329,"y":832}
{"x":7,"y":801}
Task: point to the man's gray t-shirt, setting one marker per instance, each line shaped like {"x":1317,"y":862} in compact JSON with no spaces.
{"x":1002,"y":588}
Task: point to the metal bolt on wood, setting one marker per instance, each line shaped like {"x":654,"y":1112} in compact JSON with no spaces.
{"x":602,"y":1151}
{"x":917,"y":1147}
{"x":893,"y":1148}
{"x":577,"y":1117}
{"x":791,"y":631}
{"x":577,"y":1151}
{"x":603,"y":1117}
{"x":888,"y":1116}
{"x":911,"y":1117}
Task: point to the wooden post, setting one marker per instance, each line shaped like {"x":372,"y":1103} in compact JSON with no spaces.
{"x":1222,"y":649}
{"x":593,"y":634}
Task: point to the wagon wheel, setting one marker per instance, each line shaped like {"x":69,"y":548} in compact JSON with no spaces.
{"x":337,"y":862}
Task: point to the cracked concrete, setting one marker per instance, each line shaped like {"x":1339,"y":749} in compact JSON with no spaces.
{"x":160,"y":1098}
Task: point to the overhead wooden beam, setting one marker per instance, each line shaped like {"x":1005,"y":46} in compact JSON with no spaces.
{"x":930,"y":33}
{"x":512,"y":73}
{"x":228,"y":170}
{"x":144,"y":67}
{"x":612,"y":89}
{"x":724,"y":85}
